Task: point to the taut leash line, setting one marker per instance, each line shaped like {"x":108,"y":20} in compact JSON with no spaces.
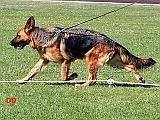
{"x":100,"y":16}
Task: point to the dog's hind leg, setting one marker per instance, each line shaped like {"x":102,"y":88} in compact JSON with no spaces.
{"x":92,"y":69}
{"x":37,"y":68}
{"x":95,"y":59}
{"x":132,"y":69}
{"x":65,"y":71}
{"x":91,"y":63}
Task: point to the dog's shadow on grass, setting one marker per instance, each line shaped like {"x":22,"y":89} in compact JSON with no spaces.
{"x":124,"y":85}
{"x":121,"y":85}
{"x":100,"y":84}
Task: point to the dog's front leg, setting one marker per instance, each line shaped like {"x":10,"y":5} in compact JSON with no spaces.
{"x":65,"y":71}
{"x":37,"y":68}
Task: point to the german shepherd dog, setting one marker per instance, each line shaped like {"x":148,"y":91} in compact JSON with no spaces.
{"x":68,"y":45}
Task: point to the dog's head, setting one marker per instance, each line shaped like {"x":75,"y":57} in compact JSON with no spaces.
{"x":24,"y":37}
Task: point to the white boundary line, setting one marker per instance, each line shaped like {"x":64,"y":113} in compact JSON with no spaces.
{"x":43,"y":81}
{"x":110,"y":82}
{"x":69,"y":1}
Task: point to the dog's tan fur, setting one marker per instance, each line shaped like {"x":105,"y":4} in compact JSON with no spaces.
{"x":55,"y":50}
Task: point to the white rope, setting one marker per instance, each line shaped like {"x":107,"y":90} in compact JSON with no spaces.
{"x":109,"y":82}
{"x":73,"y":81}
{"x":43,"y":81}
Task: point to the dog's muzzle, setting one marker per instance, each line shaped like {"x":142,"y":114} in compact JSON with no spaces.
{"x":19,"y":45}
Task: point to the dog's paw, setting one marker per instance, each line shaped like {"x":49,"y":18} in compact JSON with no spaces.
{"x":142,"y":80}
{"x":21,"y":81}
{"x":81,"y":85}
{"x":77,"y":85}
{"x":75,"y":75}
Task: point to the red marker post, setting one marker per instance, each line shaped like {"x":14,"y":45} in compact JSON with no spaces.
{"x":10,"y":100}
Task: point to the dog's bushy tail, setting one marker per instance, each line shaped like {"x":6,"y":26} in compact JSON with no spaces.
{"x":145,"y":62}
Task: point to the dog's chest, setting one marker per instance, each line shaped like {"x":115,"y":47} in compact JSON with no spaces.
{"x":52,"y":54}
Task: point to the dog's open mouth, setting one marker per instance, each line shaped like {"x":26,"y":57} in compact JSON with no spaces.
{"x":19,"y":45}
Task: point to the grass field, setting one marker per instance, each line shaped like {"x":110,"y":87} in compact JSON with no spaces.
{"x":137,"y":28}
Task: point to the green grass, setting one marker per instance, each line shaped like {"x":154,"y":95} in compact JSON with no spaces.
{"x":136,"y":28}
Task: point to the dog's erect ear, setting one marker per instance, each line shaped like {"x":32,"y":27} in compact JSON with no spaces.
{"x":29,"y":25}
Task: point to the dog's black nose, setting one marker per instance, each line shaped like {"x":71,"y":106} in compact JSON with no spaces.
{"x":11,"y":43}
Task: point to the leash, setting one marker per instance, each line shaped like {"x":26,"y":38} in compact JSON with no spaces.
{"x":57,"y":33}
{"x":115,"y":10}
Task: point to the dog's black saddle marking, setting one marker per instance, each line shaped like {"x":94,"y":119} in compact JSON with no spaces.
{"x":80,"y":41}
